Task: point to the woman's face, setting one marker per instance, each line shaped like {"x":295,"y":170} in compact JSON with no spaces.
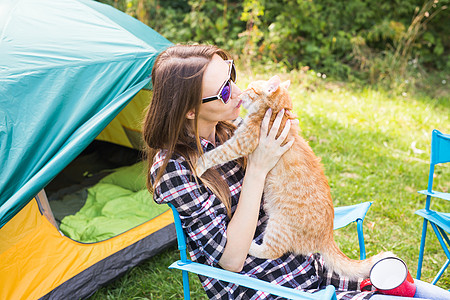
{"x":215,"y":75}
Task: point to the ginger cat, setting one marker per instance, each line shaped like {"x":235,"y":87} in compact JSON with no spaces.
{"x":296,"y":192}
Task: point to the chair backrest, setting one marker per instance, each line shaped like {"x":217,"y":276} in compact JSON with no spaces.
{"x":440,"y":152}
{"x":440,"y":147}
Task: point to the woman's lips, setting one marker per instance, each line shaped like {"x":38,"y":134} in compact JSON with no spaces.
{"x":239,"y":104}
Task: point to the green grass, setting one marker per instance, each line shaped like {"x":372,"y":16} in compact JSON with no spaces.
{"x":368,"y":143}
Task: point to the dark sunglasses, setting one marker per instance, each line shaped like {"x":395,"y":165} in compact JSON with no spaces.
{"x":225,"y":90}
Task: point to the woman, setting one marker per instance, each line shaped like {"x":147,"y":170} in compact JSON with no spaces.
{"x":195,"y":98}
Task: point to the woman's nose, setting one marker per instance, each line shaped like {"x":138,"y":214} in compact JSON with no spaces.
{"x":235,"y":90}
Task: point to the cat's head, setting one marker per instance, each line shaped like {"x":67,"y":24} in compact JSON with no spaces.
{"x":260,"y":95}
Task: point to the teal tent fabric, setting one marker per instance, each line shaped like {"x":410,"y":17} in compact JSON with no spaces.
{"x":67,"y":68}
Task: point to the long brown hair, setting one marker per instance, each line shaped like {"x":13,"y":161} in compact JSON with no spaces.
{"x":177,"y":77}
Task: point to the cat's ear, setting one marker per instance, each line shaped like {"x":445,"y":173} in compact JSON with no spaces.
{"x":273,"y":84}
{"x":285,"y":84}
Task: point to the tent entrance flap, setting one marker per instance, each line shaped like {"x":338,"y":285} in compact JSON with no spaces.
{"x":44,"y":207}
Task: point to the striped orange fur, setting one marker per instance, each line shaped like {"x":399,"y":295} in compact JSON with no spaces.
{"x":297,"y":196}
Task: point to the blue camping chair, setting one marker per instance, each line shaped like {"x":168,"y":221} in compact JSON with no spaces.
{"x":343,"y":217}
{"x":440,"y":221}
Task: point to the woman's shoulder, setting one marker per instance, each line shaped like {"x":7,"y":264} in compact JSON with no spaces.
{"x":176,"y":161}
{"x":172,"y":175}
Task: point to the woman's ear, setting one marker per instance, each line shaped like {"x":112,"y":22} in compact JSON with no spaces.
{"x":191,"y":114}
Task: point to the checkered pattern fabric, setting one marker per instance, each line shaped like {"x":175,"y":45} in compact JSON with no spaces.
{"x":205,"y":220}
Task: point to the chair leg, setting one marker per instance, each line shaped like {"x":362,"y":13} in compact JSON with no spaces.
{"x":439,"y":234}
{"x":444,"y":235}
{"x":187,"y":294}
{"x":422,"y":248}
{"x":441,"y":240}
{"x":438,"y":276}
{"x":362,"y":247}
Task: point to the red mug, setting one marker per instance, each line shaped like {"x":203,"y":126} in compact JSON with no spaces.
{"x":390,"y":276}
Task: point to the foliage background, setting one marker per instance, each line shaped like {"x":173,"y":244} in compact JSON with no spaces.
{"x":386,"y":41}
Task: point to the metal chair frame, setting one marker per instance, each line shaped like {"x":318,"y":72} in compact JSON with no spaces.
{"x":439,"y":221}
{"x":343,"y":217}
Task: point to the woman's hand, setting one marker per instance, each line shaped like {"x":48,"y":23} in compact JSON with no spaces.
{"x":269,"y":149}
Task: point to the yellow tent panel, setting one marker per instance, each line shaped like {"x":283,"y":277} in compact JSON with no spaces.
{"x":125,"y":129}
{"x":43,"y":259}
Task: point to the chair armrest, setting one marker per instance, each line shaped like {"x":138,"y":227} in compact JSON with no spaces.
{"x":253,"y":283}
{"x":344,"y":215}
{"x":445,"y":196}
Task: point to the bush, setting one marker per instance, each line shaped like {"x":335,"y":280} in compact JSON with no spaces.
{"x":366,"y":39}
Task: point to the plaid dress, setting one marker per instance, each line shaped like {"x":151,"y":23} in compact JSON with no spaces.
{"x":204,"y":219}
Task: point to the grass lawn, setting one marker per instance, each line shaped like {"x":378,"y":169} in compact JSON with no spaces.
{"x":374,"y":147}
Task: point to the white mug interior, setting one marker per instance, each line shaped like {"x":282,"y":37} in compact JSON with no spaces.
{"x":388,"y":273}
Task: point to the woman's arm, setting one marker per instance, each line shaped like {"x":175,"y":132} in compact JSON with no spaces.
{"x":241,"y":229}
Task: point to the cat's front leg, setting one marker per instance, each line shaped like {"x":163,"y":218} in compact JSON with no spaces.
{"x":242,"y":143}
{"x":214,"y":157}
{"x":220,"y":155}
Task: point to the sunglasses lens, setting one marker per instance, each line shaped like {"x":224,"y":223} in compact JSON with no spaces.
{"x":233,"y":73}
{"x":226,"y":92}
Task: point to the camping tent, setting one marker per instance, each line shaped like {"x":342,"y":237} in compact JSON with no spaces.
{"x":67,"y":68}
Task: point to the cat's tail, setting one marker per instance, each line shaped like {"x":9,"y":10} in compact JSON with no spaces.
{"x":338,"y":262}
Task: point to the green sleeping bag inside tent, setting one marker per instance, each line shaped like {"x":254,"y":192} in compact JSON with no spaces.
{"x":117,"y":203}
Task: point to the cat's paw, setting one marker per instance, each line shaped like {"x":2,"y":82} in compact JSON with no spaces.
{"x":385,"y":255}
{"x":255,"y":250}
{"x":264,"y":251}
{"x":382,"y":255}
{"x":200,"y":167}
